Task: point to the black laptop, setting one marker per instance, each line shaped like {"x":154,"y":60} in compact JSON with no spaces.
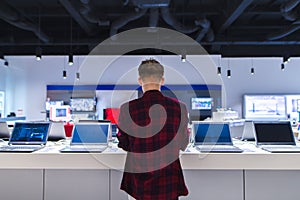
{"x":27,"y":137}
{"x":213,"y":137}
{"x":276,"y":137}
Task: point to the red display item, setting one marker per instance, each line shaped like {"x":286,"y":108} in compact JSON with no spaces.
{"x":112,"y":114}
{"x":68,"y":129}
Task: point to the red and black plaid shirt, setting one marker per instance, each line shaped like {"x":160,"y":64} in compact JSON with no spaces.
{"x":152,"y":129}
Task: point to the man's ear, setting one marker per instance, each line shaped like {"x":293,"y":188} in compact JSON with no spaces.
{"x":140,"y":81}
{"x":162,"y":82}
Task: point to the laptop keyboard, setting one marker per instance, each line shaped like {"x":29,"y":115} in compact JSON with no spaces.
{"x":21,"y":148}
{"x":222,"y":148}
{"x":84,"y":149}
{"x":282,"y":148}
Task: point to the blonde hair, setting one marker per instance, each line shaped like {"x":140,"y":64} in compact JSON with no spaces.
{"x":151,"y":68}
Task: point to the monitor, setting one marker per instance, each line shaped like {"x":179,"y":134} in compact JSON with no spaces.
{"x":201,"y":103}
{"x":264,"y":107}
{"x":278,"y":132}
{"x":211,"y":133}
{"x":83,"y":104}
{"x":87,"y":133}
{"x":293,"y":106}
{"x":35,"y":132}
{"x":60,"y":113}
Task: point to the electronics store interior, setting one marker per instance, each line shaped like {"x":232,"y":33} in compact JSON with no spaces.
{"x":61,"y":88}
{"x":253,"y":118}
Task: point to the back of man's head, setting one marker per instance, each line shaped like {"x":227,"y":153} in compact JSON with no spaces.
{"x":151,"y":69}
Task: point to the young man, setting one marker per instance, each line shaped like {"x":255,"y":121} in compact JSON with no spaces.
{"x":152,"y":129}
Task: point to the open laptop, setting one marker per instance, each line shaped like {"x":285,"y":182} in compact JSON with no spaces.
{"x":57,"y":131}
{"x":27,"y":137}
{"x":213,"y":137}
{"x":248,"y":131}
{"x":4,"y":131}
{"x":275,"y":137}
{"x":89,"y":138}
{"x":113,"y":127}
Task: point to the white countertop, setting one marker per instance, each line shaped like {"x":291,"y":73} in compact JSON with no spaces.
{"x":114,"y":158}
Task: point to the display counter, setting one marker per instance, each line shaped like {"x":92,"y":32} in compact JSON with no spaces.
{"x":254,"y":174}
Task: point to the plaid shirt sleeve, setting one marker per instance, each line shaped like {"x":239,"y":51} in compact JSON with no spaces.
{"x":184,"y":136}
{"x":122,"y":135}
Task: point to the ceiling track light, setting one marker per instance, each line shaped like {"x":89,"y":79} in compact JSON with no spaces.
{"x":228,"y":73}
{"x":252,"y":71}
{"x":70,"y":59}
{"x":38,"y":53}
{"x":219,"y":71}
{"x":77,"y":76}
{"x":286,"y":59}
{"x":183,"y":58}
{"x":282,"y":67}
{"x":64,"y":74}
{"x":6,"y":63}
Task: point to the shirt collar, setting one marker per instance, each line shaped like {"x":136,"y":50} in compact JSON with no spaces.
{"x":152,"y":92}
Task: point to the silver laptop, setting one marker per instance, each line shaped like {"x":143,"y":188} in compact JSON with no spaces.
{"x":27,"y":137}
{"x":89,"y":138}
{"x":248,"y":131}
{"x":4,"y":131}
{"x":57,"y":131}
{"x":275,"y":137}
{"x":213,"y":137}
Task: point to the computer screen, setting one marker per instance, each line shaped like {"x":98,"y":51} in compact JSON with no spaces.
{"x":201,"y":103}
{"x":60,"y":113}
{"x":83,"y":104}
{"x":293,"y":106}
{"x":90,"y":133}
{"x":30,"y":132}
{"x":274,"y":132}
{"x":263,"y":107}
{"x":212,"y":133}
{"x":114,"y":130}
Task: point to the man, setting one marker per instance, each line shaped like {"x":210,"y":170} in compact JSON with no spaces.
{"x":152,"y":129}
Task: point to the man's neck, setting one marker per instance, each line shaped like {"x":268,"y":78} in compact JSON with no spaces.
{"x":151,"y":86}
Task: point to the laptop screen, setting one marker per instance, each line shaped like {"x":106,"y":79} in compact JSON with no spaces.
{"x":91,"y":133}
{"x":274,"y":133}
{"x":212,"y":133}
{"x":30,"y":133}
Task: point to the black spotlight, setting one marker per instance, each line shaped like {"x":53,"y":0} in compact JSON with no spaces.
{"x":64,"y":74}
{"x":219,"y":71}
{"x":38,"y":53}
{"x":228,"y":73}
{"x":70,"y":59}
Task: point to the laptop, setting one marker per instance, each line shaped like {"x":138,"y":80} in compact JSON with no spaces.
{"x":27,"y":137}
{"x":113,"y":127}
{"x":57,"y":131}
{"x":89,"y":138}
{"x":275,"y":137}
{"x":213,"y":137}
{"x":4,"y":131}
{"x":248,"y":132}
